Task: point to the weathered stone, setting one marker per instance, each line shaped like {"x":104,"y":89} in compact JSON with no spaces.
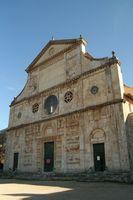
{"x":95,"y":114}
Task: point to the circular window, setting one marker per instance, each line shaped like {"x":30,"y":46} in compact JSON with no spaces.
{"x":50,"y":104}
{"x":51,"y":51}
{"x":35,"y":107}
{"x":94,"y":89}
{"x":19,"y":115}
{"x":68,"y":96}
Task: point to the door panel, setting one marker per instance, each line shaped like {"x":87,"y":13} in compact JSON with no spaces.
{"x":15,"y":161}
{"x":48,"y":156}
{"x":99,"y":156}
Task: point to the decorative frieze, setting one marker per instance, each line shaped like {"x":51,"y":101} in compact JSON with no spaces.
{"x":70,"y":81}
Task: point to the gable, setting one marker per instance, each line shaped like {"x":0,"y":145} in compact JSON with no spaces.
{"x":53,"y":48}
{"x":51,"y":51}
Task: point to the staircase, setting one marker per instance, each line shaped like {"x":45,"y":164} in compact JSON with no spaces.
{"x":106,"y":176}
{"x":123,"y":177}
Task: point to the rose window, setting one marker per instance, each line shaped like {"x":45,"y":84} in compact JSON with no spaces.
{"x":35,"y":107}
{"x":51,"y":104}
{"x":68,"y":96}
{"x":94,"y":90}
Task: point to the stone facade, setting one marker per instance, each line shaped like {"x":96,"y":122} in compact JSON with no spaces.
{"x":129,"y":126}
{"x":88,"y":106}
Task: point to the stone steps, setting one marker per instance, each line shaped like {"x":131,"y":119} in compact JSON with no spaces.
{"x":126,"y":177}
{"x":107,"y":176}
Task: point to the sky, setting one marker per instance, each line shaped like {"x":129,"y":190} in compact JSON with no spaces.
{"x":26,"y":26}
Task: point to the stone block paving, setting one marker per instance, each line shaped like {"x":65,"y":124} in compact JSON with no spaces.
{"x":64,"y":190}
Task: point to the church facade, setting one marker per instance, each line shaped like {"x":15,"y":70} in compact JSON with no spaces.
{"x":71,"y":115}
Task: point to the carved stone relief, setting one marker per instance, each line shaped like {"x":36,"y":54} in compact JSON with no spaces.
{"x":98,"y":135}
{"x":31,"y":132}
{"x":33,"y":85}
{"x":73,"y":120}
{"x":61,"y":123}
{"x":16,"y":141}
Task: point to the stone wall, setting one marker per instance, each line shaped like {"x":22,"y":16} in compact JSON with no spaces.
{"x":129,"y":128}
{"x":103,"y":79}
{"x":94,"y":114}
{"x":73,"y":136}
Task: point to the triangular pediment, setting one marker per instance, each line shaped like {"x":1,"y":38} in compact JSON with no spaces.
{"x":51,"y":51}
{"x":52,"y":48}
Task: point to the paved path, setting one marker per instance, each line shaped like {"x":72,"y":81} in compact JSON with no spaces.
{"x":67,"y":190}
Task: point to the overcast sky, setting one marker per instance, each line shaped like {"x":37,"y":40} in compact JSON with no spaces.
{"x":27,"y":25}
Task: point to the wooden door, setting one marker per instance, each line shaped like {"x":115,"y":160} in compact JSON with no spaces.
{"x":99,"y":156}
{"x":15,"y":161}
{"x":48,"y":156}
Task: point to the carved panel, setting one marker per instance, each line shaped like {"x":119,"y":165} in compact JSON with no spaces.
{"x":97,"y":135}
{"x":73,"y":120}
{"x":33,"y":85}
{"x":16,"y":141}
{"x":72,"y":149}
{"x":27,"y":160}
{"x":58,"y":155}
{"x":61,"y":123}
{"x":39,"y":155}
{"x":29,"y":149}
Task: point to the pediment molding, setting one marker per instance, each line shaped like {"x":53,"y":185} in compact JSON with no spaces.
{"x":73,"y":43}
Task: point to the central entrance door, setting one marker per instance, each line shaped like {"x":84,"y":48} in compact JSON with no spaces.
{"x":48,"y":156}
{"x":99,"y":156}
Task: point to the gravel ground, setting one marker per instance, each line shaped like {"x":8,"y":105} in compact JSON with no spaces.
{"x":63,"y":190}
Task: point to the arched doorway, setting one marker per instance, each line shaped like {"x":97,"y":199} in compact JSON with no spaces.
{"x":98,"y":149}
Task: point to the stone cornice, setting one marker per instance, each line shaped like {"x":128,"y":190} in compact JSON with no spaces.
{"x":112,"y":61}
{"x":70,"y":113}
{"x":129,"y":98}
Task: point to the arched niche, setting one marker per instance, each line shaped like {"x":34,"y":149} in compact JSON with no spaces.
{"x":49,"y":129}
{"x":97,"y":139}
{"x":97,"y":136}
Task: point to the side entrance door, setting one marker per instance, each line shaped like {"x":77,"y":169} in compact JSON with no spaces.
{"x":15,"y":161}
{"x":99,"y":156}
{"x":48,"y":156}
